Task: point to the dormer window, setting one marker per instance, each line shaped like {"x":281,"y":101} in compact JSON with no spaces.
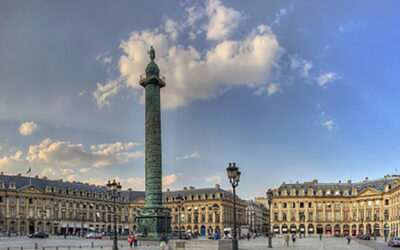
{"x":310,"y":192}
{"x":337,"y":192}
{"x":319,"y":192}
{"x":293,"y":192}
{"x":301,"y":193}
{"x":12,"y":185}
{"x":284,"y":192}
{"x":328,"y":192}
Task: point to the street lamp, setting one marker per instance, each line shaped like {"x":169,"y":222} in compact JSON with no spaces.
{"x":269,"y":197}
{"x":114,"y":189}
{"x":180,"y":204}
{"x":234,"y":178}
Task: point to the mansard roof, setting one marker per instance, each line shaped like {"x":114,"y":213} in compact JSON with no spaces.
{"x":377,"y":184}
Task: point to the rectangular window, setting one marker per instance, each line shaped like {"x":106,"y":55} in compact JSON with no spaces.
{"x":275,"y":216}
{"x":310,"y":204}
{"x":337,"y":215}
{"x":337,"y":205}
{"x":319,"y":216}
{"x":310,"y":216}
{"x":328,"y":204}
{"x":328,"y":216}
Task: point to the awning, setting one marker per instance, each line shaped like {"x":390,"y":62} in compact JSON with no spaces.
{"x":276,"y":230}
{"x":311,"y":229}
{"x":64,"y":225}
{"x":78,"y":225}
{"x":91,"y":228}
{"x":284,"y":229}
{"x":126,"y":227}
{"x":85,"y":226}
{"x":302,"y":229}
{"x":71,"y":225}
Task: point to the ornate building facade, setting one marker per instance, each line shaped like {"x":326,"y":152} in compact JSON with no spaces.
{"x":57,"y":207}
{"x":255,"y":216}
{"x":204,"y":210}
{"x":367,"y":207}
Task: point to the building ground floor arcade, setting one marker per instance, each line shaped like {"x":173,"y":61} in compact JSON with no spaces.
{"x":379,"y":228}
{"x":24,"y":227}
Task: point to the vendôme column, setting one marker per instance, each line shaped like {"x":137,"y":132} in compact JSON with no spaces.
{"x":153,"y":221}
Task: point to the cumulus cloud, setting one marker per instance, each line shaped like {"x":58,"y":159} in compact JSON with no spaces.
{"x":12,"y":163}
{"x":222,"y":20}
{"x":63,"y":153}
{"x":326,"y":78}
{"x":270,"y":89}
{"x":104,"y":92}
{"x":104,"y":58}
{"x":193,"y":155}
{"x":215,"y":178}
{"x":193,"y":75}
{"x":27,"y":128}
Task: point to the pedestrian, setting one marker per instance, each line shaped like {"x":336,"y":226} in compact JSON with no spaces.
{"x":348,"y":239}
{"x":320,"y":236}
{"x":294,"y":239}
{"x":248,"y":236}
{"x":130,"y":240}
{"x":164,"y":244}
{"x":287,"y":238}
{"x":135,"y":240}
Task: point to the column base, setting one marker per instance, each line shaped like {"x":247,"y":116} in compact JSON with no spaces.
{"x":153,"y":223}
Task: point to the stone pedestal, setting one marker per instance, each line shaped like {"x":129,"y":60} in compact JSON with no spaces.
{"x":153,"y":224}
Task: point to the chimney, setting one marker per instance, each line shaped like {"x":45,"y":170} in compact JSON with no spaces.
{"x":60,"y":180}
{"x":44,"y":177}
{"x":315,"y":181}
{"x":129,"y":189}
{"x":167,"y":189}
{"x":340,"y":181}
{"x":366,"y":178}
{"x":36,"y":176}
{"x":19,"y":174}
{"x":191,"y":188}
{"x":1,"y":173}
{"x":184,"y":188}
{"x":349,"y":181}
{"x":297,"y":182}
{"x":217,"y":186}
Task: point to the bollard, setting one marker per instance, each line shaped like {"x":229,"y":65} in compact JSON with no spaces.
{"x":69,"y":247}
{"x":92,"y":244}
{"x":56,"y":248}
{"x":43,"y":248}
{"x":35,"y":245}
{"x":80,"y":246}
{"x":22,"y":248}
{"x":101,"y":247}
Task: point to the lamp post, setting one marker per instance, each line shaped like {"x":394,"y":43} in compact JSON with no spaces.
{"x":269,"y":197}
{"x":180,"y":204}
{"x":234,"y":178}
{"x":114,"y":190}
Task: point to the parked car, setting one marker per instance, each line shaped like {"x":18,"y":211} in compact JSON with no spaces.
{"x":394,"y":242}
{"x":94,"y":236}
{"x":38,"y":235}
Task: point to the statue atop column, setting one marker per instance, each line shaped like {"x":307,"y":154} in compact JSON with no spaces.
{"x":152,"y":53}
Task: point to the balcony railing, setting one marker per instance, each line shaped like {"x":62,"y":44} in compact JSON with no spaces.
{"x":144,"y":76}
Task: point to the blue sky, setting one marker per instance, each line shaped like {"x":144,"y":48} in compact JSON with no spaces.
{"x":289,"y":90}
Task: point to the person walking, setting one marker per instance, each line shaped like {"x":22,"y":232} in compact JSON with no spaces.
{"x":320,"y":236}
{"x":130,"y":240}
{"x":348,"y":239}
{"x":294,"y":239}
{"x":287,"y":238}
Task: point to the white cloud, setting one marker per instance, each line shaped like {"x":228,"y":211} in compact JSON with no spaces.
{"x":273,"y":88}
{"x":260,"y":90}
{"x":270,"y":90}
{"x":215,"y":178}
{"x":193,"y":75}
{"x":193,"y":155}
{"x":84,"y":170}
{"x":66,"y":171}
{"x":329,"y":124}
{"x":303,"y":66}
{"x":63,"y":153}
{"x":222,"y":20}
{"x":171,"y":27}
{"x":106,"y":91}
{"x":13,"y":163}
{"x":326,"y":78}
{"x":167,"y":180}
{"x":104,"y":58}
{"x":82,"y":93}
{"x":194,"y":14}
{"x":27,"y":128}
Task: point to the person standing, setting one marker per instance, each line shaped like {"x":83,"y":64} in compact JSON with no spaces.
{"x":135,"y":240}
{"x":348,"y":239}
{"x":320,"y":236}
{"x":294,"y":239}
{"x":287,"y":238}
{"x":248,"y":236}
